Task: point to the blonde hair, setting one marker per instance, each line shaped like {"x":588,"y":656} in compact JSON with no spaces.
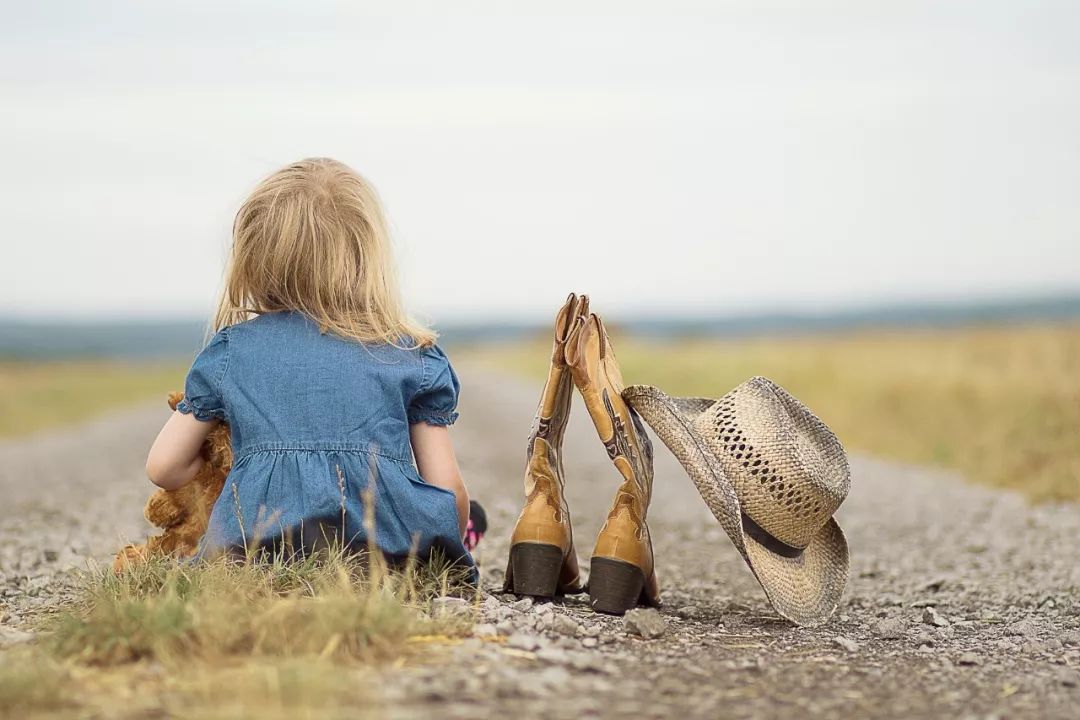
{"x":312,"y":238}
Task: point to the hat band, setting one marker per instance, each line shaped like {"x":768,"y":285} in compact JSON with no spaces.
{"x":769,"y":542}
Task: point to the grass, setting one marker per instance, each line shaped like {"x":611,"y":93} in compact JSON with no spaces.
{"x":39,"y":395}
{"x":230,"y":639}
{"x":1000,"y":405}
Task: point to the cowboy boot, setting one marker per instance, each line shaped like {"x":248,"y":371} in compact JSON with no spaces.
{"x":622,"y":572}
{"x":543,"y":562}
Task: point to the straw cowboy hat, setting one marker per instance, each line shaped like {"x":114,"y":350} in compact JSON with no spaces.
{"x":773,"y":474}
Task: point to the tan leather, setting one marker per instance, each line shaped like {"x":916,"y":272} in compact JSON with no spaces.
{"x":545,"y":517}
{"x":625,"y":534}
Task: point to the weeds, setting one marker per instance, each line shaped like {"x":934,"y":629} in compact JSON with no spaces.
{"x":228,"y":638}
{"x":332,"y":605}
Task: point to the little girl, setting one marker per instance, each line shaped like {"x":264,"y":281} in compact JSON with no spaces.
{"x":333,"y":395}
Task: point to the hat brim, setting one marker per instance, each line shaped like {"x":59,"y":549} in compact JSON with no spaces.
{"x":805,"y":589}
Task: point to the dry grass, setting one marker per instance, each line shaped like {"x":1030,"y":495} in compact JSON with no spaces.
{"x":39,"y":395}
{"x":229,"y":639}
{"x":1001,"y":405}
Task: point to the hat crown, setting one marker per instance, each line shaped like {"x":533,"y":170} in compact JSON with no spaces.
{"x":788,"y":469}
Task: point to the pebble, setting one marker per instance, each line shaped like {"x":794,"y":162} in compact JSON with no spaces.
{"x":646,"y":622}
{"x":890,"y":629}
{"x":564,"y":625}
{"x":846,"y":643}
{"x":1023,"y":628}
{"x":931,"y":616}
{"x":591,"y":631}
{"x":522,"y":605}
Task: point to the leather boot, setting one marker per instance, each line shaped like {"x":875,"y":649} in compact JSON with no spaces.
{"x":622,"y":572}
{"x":543,"y":562}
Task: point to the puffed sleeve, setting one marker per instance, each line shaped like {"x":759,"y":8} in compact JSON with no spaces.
{"x":202,"y":389}
{"x":436,"y":401}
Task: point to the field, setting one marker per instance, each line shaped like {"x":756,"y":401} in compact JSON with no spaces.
{"x":1000,"y":405}
{"x":39,"y":395}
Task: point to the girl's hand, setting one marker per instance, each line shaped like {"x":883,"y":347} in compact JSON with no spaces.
{"x":175,"y":457}
{"x":435,"y":459}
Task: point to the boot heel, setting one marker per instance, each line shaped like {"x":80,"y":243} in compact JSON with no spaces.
{"x":536,"y":569}
{"x":614,"y":586}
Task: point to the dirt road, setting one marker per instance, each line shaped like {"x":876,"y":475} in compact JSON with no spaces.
{"x":962,"y":602}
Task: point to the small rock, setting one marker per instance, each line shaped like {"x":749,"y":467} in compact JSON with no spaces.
{"x":590,"y":642}
{"x":890,"y":628}
{"x":450,"y":606}
{"x":687,"y":612}
{"x":522,"y":605}
{"x":846,"y":643}
{"x":1071,"y":638}
{"x":989,"y":616}
{"x":564,"y":625}
{"x":506,"y":628}
{"x":931,"y":616}
{"x":646,"y":622}
{"x":969,"y":658}
{"x":923,"y":638}
{"x":1023,"y":628}
{"x":591,"y":631}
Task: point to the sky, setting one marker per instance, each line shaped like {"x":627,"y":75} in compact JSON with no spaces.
{"x":708,"y":158}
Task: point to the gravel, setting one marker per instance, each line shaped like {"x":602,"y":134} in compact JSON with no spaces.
{"x":962,"y":601}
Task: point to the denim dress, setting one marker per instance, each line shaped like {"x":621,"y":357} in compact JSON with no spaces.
{"x":320,"y":436}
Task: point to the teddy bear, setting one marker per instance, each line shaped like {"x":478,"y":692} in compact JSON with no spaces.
{"x":183,"y":514}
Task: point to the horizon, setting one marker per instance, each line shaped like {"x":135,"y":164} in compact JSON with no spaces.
{"x":1065,"y":297}
{"x":144,"y":338}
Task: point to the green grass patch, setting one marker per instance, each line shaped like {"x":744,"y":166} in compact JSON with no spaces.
{"x":39,"y":395}
{"x":1001,"y":405}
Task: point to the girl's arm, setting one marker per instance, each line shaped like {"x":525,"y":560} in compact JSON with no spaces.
{"x":175,"y":457}
{"x":435,"y":459}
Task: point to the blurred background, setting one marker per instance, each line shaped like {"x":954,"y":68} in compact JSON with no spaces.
{"x":873,"y":203}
